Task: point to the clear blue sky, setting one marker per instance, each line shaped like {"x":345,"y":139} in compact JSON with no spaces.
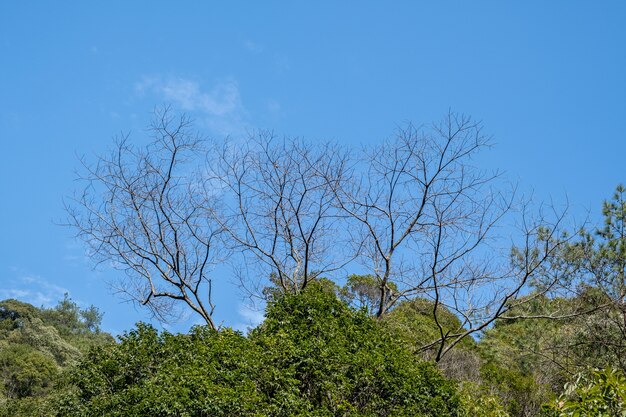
{"x":548,"y":80}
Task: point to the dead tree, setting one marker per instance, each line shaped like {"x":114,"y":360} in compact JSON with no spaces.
{"x":140,"y":211}
{"x":279,"y":210}
{"x":413,"y":211}
{"x":427,"y":217}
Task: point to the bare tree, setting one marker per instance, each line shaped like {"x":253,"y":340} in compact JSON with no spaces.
{"x":426,"y":217}
{"x":413,"y":210}
{"x":485,"y":295}
{"x":280,"y":210}
{"x":140,"y":211}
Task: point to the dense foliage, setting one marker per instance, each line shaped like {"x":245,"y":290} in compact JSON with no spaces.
{"x":599,"y":393}
{"x":37,"y":344}
{"x":313,"y":356}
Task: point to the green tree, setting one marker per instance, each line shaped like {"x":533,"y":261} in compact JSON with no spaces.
{"x":363,"y":291}
{"x":313,"y":356}
{"x":25,"y":372}
{"x":526,"y":362}
{"x":594,"y":393}
{"x":152,"y":374}
{"x":36,"y":345}
{"x":346,"y":363}
{"x":478,"y":400}
{"x":69,"y":318}
{"x":596,"y":263}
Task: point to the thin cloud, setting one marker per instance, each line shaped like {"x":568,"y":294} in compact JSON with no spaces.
{"x":273,"y":106}
{"x":220,"y":106}
{"x":14,"y":293}
{"x":249,"y":318}
{"x":282,"y":64}
{"x":76,"y":255}
{"x":253,"y":47}
{"x":33,"y":289}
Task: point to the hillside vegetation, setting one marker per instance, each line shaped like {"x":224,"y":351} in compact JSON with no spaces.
{"x":314,"y":355}
{"x":37,"y":345}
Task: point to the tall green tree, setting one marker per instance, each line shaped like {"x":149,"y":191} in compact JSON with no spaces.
{"x":597,"y":261}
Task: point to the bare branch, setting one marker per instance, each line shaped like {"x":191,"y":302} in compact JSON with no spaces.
{"x":139,"y":212}
{"x":281,"y":213}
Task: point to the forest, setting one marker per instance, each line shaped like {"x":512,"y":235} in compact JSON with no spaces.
{"x":397,"y":280}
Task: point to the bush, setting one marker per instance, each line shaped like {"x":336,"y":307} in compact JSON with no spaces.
{"x":597,"y":393}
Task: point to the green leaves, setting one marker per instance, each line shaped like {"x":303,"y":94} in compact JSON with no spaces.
{"x":36,"y":344}
{"x":25,"y":371}
{"x":597,"y":393}
{"x":313,"y":356}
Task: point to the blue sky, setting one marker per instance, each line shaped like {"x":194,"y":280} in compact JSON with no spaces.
{"x":548,"y":80}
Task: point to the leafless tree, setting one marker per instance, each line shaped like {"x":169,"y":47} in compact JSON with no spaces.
{"x":426,"y":217}
{"x":280,"y":210}
{"x":140,"y":211}
{"x":414,"y":211}
{"x":491,"y":294}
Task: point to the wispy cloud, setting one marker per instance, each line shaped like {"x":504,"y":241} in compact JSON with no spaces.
{"x":282,"y":64}
{"x":250,"y":317}
{"x":33,"y":289}
{"x":220,"y":105}
{"x":253,"y":47}
{"x":75,"y":255}
{"x":13,"y":293}
{"x":273,"y":107}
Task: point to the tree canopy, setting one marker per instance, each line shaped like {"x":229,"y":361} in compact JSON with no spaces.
{"x":313,"y":355}
{"x":37,"y":344}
